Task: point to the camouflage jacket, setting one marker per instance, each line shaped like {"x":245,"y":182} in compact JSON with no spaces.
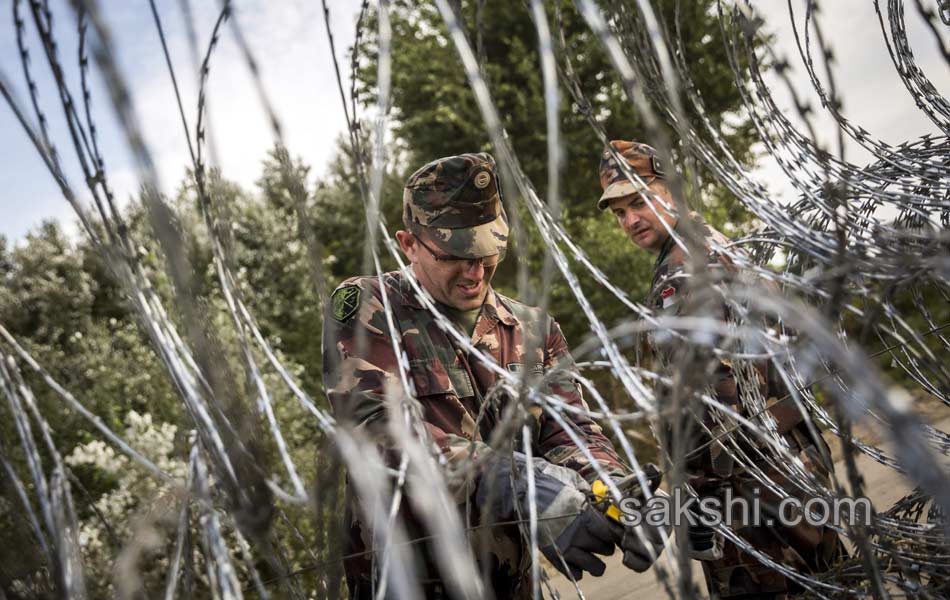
{"x":668,"y":294}
{"x":450,"y":386}
{"x":805,"y":547}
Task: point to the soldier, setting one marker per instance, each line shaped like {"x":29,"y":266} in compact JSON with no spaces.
{"x":711,"y":470}
{"x":456,"y":233}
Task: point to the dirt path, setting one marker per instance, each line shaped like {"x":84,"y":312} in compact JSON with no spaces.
{"x":883,"y":486}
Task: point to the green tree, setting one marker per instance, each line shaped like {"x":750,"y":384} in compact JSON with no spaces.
{"x":60,"y":300}
{"x":61,"y":304}
{"x":338,"y":214}
{"x":435,"y":114}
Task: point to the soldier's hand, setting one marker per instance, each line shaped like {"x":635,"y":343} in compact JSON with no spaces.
{"x":574,"y":550}
{"x":570,"y":543}
{"x":704,"y":543}
{"x":570,"y":531}
{"x":642,"y":544}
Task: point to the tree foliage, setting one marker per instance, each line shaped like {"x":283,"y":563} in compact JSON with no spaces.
{"x":435,"y":114}
{"x":59,"y":298}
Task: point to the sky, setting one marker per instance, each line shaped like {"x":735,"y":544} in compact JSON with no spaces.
{"x":872,"y":93}
{"x":289,"y":41}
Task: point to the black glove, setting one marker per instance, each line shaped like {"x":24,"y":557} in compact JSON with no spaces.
{"x":570,"y":530}
{"x":640,"y":554}
{"x":704,"y":542}
{"x":639,"y":550}
{"x":586,"y":535}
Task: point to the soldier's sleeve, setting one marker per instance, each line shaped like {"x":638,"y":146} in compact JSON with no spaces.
{"x":358,"y":359}
{"x":554,"y":443}
{"x":669,"y":298}
{"x":359,"y":364}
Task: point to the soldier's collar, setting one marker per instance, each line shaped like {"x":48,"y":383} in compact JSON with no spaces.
{"x":406,"y":295}
{"x":496,"y":310}
{"x":492,"y":308}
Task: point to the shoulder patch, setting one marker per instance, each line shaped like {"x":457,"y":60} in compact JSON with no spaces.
{"x":345,"y":302}
{"x":668,"y":296}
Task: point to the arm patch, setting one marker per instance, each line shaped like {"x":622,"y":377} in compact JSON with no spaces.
{"x":345,"y":301}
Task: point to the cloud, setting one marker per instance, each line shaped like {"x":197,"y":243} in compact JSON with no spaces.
{"x":870,"y":89}
{"x":288,"y":41}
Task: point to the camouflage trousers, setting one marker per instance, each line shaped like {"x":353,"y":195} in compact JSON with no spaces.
{"x":806,"y":548}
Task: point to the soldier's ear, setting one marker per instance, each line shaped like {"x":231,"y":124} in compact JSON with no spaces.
{"x":408,"y":245}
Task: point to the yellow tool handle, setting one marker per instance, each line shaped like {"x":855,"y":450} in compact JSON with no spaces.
{"x":601,"y":494}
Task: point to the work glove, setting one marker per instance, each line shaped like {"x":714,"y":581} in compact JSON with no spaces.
{"x":705,"y":543}
{"x":642,"y":544}
{"x":574,"y":549}
{"x":570,"y":531}
{"x":641,"y":550}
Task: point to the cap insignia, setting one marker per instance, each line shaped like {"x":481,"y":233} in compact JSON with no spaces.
{"x":482,"y":180}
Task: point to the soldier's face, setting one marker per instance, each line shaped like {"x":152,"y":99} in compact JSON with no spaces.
{"x":644,"y":227}
{"x":461,"y":285}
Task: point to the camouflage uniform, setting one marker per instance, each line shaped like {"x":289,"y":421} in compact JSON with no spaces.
{"x":712,"y":471}
{"x":451,"y":385}
{"x":806,"y":548}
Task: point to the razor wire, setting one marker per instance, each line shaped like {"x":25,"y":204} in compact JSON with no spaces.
{"x":847,"y":253}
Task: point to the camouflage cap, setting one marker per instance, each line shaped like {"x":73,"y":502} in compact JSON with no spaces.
{"x":642,"y":160}
{"x":457,"y":200}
